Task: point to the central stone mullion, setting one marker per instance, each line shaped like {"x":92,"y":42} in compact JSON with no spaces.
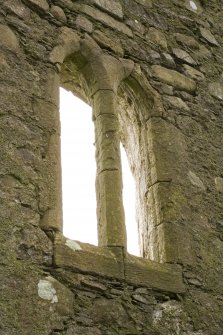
{"x":110,"y":211}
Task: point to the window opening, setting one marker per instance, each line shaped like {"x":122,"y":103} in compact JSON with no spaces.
{"x":78,"y":176}
{"x":78,"y":169}
{"x":129,"y":198}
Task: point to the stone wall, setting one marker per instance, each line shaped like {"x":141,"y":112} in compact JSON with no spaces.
{"x":153,"y":72}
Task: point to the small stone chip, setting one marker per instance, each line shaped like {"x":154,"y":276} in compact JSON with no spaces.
{"x":116,"y":292}
{"x":219,"y":184}
{"x":58,"y":13}
{"x":140,"y":298}
{"x":183,"y":56}
{"x":84,"y":24}
{"x":207,"y":35}
{"x":216,"y":90}
{"x":195,"y":282}
{"x":3,"y":62}
{"x":176,"y":102}
{"x":73,"y":245}
{"x":141,"y":290}
{"x":195,"y":180}
{"x":93,"y":284}
{"x":193,"y":5}
{"x":41,"y":4}
{"x":193,"y":73}
{"x":168,"y":60}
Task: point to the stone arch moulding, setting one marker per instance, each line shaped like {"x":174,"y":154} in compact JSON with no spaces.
{"x":100,"y":75}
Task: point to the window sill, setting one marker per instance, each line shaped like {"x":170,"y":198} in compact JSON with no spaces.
{"x":113,"y":263}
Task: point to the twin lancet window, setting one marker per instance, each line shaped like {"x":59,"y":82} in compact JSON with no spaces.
{"x":123,"y":105}
{"x":125,"y":109}
{"x":78,"y":175}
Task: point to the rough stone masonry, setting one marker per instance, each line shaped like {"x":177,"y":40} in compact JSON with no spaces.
{"x":153,"y":72}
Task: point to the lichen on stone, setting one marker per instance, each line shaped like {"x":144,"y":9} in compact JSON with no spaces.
{"x":46,"y":290}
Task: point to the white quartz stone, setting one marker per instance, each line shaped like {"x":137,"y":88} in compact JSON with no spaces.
{"x":73,"y":245}
{"x":193,"y":5}
{"x":46,"y":290}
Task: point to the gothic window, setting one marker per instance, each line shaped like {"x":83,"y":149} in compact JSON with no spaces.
{"x":125,"y":108}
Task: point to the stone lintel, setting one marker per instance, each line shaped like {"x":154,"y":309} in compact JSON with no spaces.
{"x":107,"y":262}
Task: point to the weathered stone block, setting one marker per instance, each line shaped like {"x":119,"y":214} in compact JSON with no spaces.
{"x":105,"y":103}
{"x":18,"y":8}
{"x":108,"y":42}
{"x":174,"y":78}
{"x":56,"y":294}
{"x":107,"y":142}
{"x":203,"y":53}
{"x":33,"y":245}
{"x":58,"y":13}
{"x":83,"y":23}
{"x":175,"y":238}
{"x":157,"y":37}
{"x":176,"y":102}
{"x":219,"y":184}
{"x":136,"y":26}
{"x":207,"y":35}
{"x":166,"y":145}
{"x":166,"y":202}
{"x":68,"y":43}
{"x":186,"y":40}
{"x":105,"y":19}
{"x":111,"y":229}
{"x":193,"y":73}
{"x":183,"y":56}
{"x":146,"y":3}
{"x":88,"y":258}
{"x":8,"y":38}
{"x":104,"y":72}
{"x":153,"y":275}
{"x":3,"y":62}
{"x":167,"y":60}
{"x":196,"y":181}
{"x":216,"y":90}
{"x":40,"y":4}
{"x":112,"y":7}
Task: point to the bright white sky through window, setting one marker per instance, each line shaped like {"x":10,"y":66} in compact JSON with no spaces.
{"x":78,"y":175}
